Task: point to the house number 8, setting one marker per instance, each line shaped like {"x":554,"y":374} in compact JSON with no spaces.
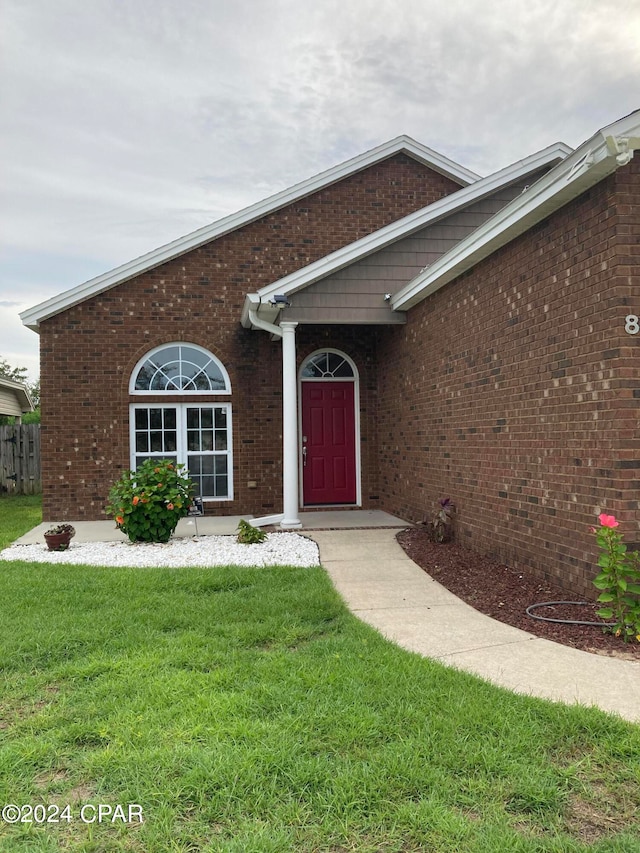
{"x":631,"y":326}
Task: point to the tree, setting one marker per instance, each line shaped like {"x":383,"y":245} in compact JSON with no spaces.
{"x":19,"y":374}
{"x":16,"y":374}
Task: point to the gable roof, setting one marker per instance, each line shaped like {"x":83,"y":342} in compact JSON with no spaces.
{"x":608,"y":149}
{"x":19,"y":391}
{"x":398,"y":230}
{"x":400,"y":145}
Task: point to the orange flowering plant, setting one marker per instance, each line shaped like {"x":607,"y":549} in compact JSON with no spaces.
{"x":619,"y":580}
{"x":147,"y":504}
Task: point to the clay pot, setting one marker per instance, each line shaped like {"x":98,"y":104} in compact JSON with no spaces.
{"x":57,"y":541}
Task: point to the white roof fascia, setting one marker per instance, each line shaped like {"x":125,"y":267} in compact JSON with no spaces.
{"x":401,"y":144}
{"x":601,"y":155}
{"x":404,"y":227}
{"x":250,"y":308}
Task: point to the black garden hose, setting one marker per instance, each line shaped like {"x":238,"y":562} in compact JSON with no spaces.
{"x":564,"y":621}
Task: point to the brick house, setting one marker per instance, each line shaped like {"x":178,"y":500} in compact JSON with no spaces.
{"x":390,"y":331}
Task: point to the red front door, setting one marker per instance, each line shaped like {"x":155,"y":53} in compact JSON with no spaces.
{"x":329,"y":443}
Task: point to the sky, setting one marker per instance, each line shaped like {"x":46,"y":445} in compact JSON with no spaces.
{"x":125,"y":124}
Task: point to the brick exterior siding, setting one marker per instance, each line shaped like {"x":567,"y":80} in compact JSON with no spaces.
{"x":515,"y":390}
{"x":89,"y":351}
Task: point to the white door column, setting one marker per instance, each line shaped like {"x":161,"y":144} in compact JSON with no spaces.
{"x":289,"y":426}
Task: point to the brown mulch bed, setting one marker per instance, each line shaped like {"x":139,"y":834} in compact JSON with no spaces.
{"x":505,"y":594}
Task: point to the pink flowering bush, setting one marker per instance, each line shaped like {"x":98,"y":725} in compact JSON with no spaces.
{"x":619,"y":580}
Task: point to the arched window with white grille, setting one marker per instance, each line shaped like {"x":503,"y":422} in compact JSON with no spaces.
{"x":183,"y":368}
{"x":195,"y":434}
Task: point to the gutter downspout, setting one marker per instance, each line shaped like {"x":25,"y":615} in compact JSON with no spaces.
{"x":287,"y":332}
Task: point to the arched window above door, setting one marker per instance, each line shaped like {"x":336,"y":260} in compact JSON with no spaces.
{"x":327,"y":364}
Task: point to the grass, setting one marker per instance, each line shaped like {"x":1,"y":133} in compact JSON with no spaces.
{"x":246,"y":710}
{"x":18,"y":513}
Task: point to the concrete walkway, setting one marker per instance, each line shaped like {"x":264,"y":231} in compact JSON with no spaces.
{"x":383,"y":587}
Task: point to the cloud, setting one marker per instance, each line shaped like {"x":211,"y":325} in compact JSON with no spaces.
{"x":20,"y":346}
{"x":127,"y":125}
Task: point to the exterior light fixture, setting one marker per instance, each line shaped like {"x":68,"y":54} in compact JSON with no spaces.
{"x":280,"y":301}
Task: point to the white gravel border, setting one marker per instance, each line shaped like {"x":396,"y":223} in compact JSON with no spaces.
{"x":278,"y":549}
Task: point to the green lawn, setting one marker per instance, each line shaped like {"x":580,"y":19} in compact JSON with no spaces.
{"x":246,"y":710}
{"x":18,"y":514}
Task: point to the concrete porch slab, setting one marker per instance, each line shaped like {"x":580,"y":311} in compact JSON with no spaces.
{"x":106,"y":531}
{"x":349,"y":519}
{"x":222,"y":525}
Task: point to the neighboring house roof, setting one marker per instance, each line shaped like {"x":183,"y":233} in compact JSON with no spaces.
{"x":14,"y":398}
{"x":400,"y":145}
{"x":608,"y":149}
{"x":439,"y":210}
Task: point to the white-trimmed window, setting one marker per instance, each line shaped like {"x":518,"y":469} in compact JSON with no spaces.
{"x":195,"y":434}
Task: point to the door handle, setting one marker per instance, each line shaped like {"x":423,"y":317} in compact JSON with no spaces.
{"x":304,"y":455}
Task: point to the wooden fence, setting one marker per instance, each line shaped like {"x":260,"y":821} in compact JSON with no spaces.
{"x":20,"y":459}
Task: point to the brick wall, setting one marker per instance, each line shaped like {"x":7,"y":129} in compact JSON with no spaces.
{"x":515,"y":389}
{"x":88,"y":352}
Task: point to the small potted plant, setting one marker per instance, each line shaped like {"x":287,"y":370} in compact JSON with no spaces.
{"x":59,"y":537}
